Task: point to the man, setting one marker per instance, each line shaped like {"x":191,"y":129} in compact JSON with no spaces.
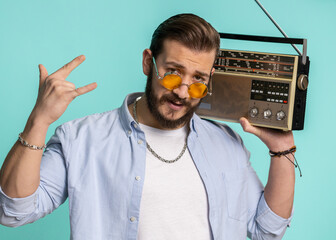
{"x":151,"y":169}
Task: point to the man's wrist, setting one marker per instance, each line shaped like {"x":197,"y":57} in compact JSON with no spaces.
{"x":35,"y":130}
{"x":284,"y":143}
{"x":36,"y":121}
{"x":281,"y":148}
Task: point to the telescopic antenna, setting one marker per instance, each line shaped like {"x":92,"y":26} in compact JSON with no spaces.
{"x":278,"y":27}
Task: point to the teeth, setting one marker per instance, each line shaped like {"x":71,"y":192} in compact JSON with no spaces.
{"x":177,"y":104}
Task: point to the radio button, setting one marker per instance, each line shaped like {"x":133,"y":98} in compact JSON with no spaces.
{"x":267,"y":113}
{"x":280,"y":115}
{"x":254,"y":112}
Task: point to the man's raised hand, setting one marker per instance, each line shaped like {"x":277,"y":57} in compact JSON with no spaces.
{"x":55,"y":93}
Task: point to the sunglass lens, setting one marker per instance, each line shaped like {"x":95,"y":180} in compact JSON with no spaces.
{"x":198,"y":90}
{"x":171,"y":81}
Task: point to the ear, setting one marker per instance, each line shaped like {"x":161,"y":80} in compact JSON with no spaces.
{"x":147,"y":61}
{"x":212,"y":71}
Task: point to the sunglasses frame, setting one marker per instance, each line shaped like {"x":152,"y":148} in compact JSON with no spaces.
{"x":208,"y":86}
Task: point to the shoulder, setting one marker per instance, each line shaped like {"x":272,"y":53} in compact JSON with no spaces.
{"x":219,"y":140}
{"x":97,"y":119}
{"x":211,"y":127}
{"x":91,"y":125}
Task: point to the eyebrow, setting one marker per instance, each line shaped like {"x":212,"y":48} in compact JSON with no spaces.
{"x":177,"y":65}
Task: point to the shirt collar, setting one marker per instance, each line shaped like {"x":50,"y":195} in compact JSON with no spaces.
{"x":125,"y":116}
{"x":194,"y":122}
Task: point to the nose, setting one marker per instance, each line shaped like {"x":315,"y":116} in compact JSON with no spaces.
{"x":182,"y":91}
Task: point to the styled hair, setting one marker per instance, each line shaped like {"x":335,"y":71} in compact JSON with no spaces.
{"x":190,"y":30}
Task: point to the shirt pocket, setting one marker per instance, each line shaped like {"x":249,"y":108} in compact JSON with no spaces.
{"x":236,"y":193}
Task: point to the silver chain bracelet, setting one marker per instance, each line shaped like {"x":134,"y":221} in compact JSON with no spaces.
{"x":26,"y":144}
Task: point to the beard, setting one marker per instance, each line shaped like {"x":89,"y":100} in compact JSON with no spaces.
{"x":153,"y":103}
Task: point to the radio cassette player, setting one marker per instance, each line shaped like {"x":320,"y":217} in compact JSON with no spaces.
{"x":268,"y":89}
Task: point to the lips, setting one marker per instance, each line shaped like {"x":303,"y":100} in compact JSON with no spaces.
{"x":176,"y":103}
{"x":175,"y":106}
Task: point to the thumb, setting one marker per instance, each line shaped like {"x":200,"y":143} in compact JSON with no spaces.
{"x":247,"y":127}
{"x":43,"y":74}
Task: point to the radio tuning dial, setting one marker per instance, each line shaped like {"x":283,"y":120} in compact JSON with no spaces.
{"x":280,"y":115}
{"x":254,"y":112}
{"x":267,"y":113}
{"x":302,"y":82}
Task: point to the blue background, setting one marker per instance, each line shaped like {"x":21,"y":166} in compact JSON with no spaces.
{"x":113,"y":34}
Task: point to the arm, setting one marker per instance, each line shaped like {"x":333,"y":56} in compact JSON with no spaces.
{"x":20,"y":172}
{"x":279,"y":190}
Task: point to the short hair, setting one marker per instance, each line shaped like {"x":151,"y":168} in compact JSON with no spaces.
{"x":190,"y":30}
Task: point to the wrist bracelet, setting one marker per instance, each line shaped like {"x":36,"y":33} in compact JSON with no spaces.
{"x":285,"y":153}
{"x":26,"y":144}
{"x":279,"y":154}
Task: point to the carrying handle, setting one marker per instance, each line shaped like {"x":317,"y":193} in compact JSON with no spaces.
{"x":255,"y":38}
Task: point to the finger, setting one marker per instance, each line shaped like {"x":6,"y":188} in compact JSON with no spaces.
{"x":247,"y":127}
{"x":84,"y":89}
{"x":43,"y":73}
{"x":69,"y":85}
{"x":69,"y":67}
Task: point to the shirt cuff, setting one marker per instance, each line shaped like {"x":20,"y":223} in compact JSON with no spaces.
{"x":270,"y":221}
{"x":18,"y":207}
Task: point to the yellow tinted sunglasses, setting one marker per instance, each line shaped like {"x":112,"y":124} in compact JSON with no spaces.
{"x":172,"y":80}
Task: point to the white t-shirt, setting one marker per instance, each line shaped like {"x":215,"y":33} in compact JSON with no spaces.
{"x":174,"y":202}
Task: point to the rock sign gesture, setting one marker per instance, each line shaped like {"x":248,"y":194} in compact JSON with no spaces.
{"x":20,"y":173}
{"x":55,"y":93}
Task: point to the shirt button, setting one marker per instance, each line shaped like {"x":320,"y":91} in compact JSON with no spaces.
{"x":133,"y":219}
{"x":129,"y":132}
{"x":140,"y":141}
{"x":135,"y":125}
{"x":138,"y":178}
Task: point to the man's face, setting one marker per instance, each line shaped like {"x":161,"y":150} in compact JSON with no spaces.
{"x":174,"y":108}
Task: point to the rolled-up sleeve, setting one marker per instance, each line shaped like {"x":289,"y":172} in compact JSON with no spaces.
{"x":13,"y":210}
{"x":265,"y":224}
{"x":270,"y":222}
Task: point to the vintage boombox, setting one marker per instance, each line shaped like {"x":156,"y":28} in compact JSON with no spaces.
{"x":268,"y":89}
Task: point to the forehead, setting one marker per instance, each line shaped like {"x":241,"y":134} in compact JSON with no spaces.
{"x":174,"y":51}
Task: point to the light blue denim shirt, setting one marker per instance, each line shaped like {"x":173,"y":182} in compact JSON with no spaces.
{"x":99,"y":163}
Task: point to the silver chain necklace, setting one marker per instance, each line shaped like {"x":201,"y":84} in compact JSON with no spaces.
{"x":149,"y":148}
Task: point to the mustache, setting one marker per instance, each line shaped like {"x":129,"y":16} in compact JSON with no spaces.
{"x":174,"y":98}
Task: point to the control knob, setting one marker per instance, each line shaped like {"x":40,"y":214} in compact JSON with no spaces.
{"x":280,"y":115}
{"x":302,"y":82}
{"x":267,"y":113}
{"x":254,"y":112}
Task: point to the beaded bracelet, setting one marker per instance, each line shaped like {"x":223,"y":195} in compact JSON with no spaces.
{"x":285,"y":153}
{"x":26,"y":144}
